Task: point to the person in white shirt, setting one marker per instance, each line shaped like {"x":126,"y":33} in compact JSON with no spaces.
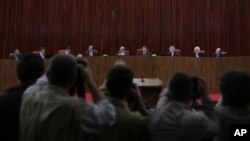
{"x":144,"y":51}
{"x":52,"y":114}
{"x":218,"y":53}
{"x":176,"y":120}
{"x":197,"y":52}
{"x":42,"y":53}
{"x":122,"y":52}
{"x":90,"y":51}
{"x":16,"y":55}
{"x":68,"y":50}
{"x":172,"y":52}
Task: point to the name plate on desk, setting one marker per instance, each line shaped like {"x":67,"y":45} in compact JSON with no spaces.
{"x":148,"y":82}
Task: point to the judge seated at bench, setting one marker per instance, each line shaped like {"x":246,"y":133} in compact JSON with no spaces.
{"x":41,"y":52}
{"x":173,"y":51}
{"x":16,"y":55}
{"x":198,"y":52}
{"x":122,"y":52}
{"x":66,"y":51}
{"x":143,"y":51}
{"x":90,"y":51}
{"x":218,"y":53}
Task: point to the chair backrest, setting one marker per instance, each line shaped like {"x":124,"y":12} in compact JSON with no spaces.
{"x":127,"y":51}
{"x":36,"y":52}
{"x":139,"y":49}
{"x":61,"y":51}
{"x":11,"y":54}
{"x":178,"y":50}
{"x":223,"y":52}
{"x":202,"y":51}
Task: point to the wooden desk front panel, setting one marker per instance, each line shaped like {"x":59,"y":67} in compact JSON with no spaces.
{"x":149,"y":67}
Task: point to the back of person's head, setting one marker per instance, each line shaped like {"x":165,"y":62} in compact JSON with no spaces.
{"x":30,"y":68}
{"x":199,"y":87}
{"x":119,"y":81}
{"x":68,"y":47}
{"x":62,"y":70}
{"x":181,"y":88}
{"x":235,"y":88}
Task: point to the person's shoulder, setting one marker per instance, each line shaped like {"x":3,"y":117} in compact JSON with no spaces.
{"x":221,"y":109}
{"x":191,"y":118}
{"x":15,"y":90}
{"x":130,"y":117}
{"x":32,"y":89}
{"x":72,"y":102}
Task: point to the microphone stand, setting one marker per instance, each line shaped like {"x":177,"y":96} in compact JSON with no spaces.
{"x":142,"y":79}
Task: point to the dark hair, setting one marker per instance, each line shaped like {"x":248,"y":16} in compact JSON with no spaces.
{"x":197,"y":84}
{"x":62,"y":69}
{"x":80,"y":88}
{"x":42,"y":48}
{"x":235,"y":88}
{"x":30,"y":68}
{"x":68,"y":47}
{"x":119,"y":81}
{"x":181,"y":87}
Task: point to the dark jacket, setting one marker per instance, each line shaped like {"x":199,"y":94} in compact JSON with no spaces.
{"x":18,"y":57}
{"x":218,"y":55}
{"x":175,"y":54}
{"x":140,"y":53}
{"x":10,"y":103}
{"x":86,"y":53}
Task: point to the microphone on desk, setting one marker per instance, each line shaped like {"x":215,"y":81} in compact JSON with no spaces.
{"x":142,"y":79}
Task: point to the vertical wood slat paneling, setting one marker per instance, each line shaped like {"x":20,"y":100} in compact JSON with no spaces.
{"x":29,"y":24}
{"x":160,"y":67}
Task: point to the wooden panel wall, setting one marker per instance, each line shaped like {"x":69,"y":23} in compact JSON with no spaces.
{"x":108,"y":24}
{"x":150,"y":67}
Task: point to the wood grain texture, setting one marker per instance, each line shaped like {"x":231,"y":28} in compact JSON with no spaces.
{"x":163,"y":68}
{"x":108,"y":24}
